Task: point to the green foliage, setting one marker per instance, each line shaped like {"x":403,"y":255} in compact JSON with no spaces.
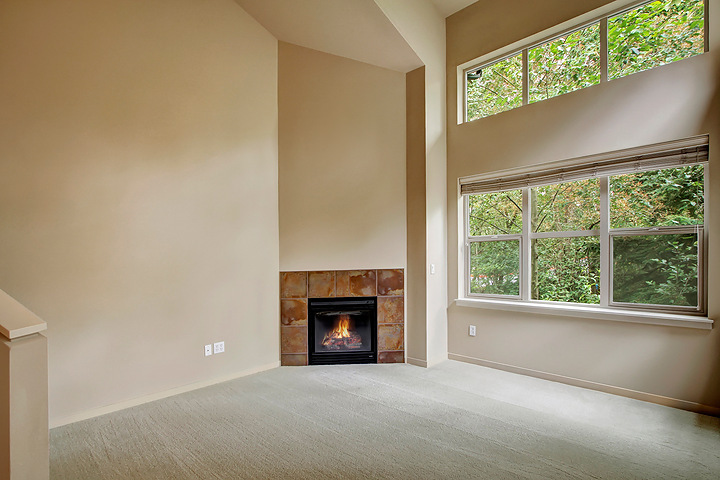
{"x":495,"y":267}
{"x":650,"y":268}
{"x":494,"y":88}
{"x":673,"y":196}
{"x":566,"y":206}
{"x":565,"y":64}
{"x":655,"y":34}
{"x":495,"y":213}
{"x":566,"y":269}
{"x":648,"y":36}
{"x":656,"y":269}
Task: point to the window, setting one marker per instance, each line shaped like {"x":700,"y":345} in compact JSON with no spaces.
{"x":495,"y":88}
{"x":626,"y":231}
{"x":609,"y":47}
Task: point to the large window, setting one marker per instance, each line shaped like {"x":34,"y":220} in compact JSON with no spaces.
{"x":625,"y":232}
{"x":638,"y":38}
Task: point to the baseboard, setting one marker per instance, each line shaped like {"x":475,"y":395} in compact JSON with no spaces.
{"x":96,"y":412}
{"x":576,"y":382}
{"x":417,"y":362}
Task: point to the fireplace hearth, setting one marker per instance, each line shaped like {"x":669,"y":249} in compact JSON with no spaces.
{"x":342,"y":330}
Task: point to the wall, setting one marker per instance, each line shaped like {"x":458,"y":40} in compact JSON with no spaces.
{"x":341,"y":163}
{"x":416,"y":303}
{"x":673,"y":365}
{"x":138,"y":192}
{"x":419,"y":22}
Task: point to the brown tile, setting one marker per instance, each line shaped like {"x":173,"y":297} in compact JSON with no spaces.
{"x":391,"y":310}
{"x":293,"y":311}
{"x":297,"y":360}
{"x":342,"y":281}
{"x":321,"y":284}
{"x":390,"y":282}
{"x":391,"y":357}
{"x":362,"y":283}
{"x":390,"y":337}
{"x":293,"y":285}
{"x":293,"y":339}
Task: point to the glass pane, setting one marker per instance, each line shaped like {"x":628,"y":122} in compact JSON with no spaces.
{"x":566,"y":206}
{"x":495,"y":213}
{"x":565,"y":64}
{"x":494,"y":88}
{"x":655,"y":34}
{"x":656,"y":269}
{"x":566,"y":269}
{"x":673,"y":196}
{"x":495,"y":267}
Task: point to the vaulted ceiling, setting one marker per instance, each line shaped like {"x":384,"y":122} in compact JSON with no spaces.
{"x":356,"y":29}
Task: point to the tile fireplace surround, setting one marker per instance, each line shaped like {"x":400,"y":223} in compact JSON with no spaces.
{"x":297,"y":287}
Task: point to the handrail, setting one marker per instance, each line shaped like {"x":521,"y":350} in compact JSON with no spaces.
{"x":16,"y":320}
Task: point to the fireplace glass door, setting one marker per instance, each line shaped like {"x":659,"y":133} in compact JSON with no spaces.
{"x":342,"y":330}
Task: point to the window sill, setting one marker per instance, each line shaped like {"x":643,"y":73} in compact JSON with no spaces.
{"x":598,"y":313}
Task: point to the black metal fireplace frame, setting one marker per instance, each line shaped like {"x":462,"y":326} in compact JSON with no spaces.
{"x":319,"y":305}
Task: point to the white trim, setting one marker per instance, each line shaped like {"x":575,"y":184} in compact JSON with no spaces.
{"x":600,"y":387}
{"x":417,"y":362}
{"x":590,"y":311}
{"x":133,"y":402}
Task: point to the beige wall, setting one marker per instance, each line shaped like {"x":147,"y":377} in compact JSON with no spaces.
{"x":416,"y":303}
{"x":668,"y":103}
{"x":138,"y":191}
{"x":419,"y":22}
{"x":341,"y":162}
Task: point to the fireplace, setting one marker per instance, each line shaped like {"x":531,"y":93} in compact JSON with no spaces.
{"x":342,"y":330}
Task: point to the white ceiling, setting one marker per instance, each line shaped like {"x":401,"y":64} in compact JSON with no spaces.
{"x":356,"y":29}
{"x":448,"y":7}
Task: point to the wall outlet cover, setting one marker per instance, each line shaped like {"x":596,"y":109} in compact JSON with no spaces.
{"x":471,"y":330}
{"x":219,"y":347}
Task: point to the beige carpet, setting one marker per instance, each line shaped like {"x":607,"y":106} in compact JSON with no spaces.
{"x":453,"y":421}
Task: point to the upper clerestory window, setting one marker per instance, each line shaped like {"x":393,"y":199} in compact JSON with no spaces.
{"x":638,"y":38}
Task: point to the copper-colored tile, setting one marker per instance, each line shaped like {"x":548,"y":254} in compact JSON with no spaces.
{"x":390,"y":337}
{"x":297,"y":360}
{"x":342,"y":281}
{"x":293,"y":285}
{"x":293,"y":339}
{"x":390,"y":282}
{"x":321,"y":284}
{"x":293,"y":311}
{"x":391,"y":310}
{"x":391,"y":357}
{"x":362,"y":283}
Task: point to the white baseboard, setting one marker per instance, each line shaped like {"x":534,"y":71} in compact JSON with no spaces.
{"x":576,"y":382}
{"x":417,"y":362}
{"x":133,"y":402}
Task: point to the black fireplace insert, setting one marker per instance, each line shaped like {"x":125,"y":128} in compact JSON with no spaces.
{"x":342,"y":330}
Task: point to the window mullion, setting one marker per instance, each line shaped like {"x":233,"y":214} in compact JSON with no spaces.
{"x":525,"y":78}
{"x":604,"y":50}
{"x":605,"y":260}
{"x":525,"y":267}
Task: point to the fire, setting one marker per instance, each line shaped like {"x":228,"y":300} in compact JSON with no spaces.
{"x":341,"y":327}
{"x":342,"y":336}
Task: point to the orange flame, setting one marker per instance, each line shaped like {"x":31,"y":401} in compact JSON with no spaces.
{"x":342,"y":326}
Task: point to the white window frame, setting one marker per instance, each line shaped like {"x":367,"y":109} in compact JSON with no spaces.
{"x":599,"y":15}
{"x":612,"y":163}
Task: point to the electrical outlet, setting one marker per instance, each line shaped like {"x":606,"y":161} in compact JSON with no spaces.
{"x":471,"y":330}
{"x":208,"y":350}
{"x":219,"y":347}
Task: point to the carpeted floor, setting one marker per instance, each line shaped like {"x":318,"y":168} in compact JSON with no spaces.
{"x":452,"y":421}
